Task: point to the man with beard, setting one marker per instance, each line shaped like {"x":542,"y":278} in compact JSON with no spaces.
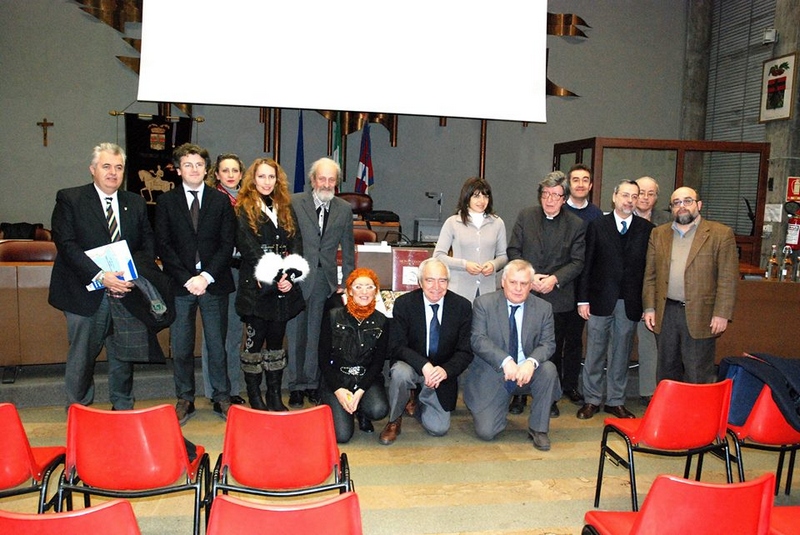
{"x":689,"y":289}
{"x":326,"y":223}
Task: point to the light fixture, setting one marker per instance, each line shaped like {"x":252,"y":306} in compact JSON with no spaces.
{"x":770,"y":36}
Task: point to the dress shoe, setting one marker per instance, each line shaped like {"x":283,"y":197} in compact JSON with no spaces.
{"x":574,"y":396}
{"x":390,"y":432}
{"x":296,"y":399}
{"x":411,"y":406}
{"x":184,"y":409}
{"x":238,"y":400}
{"x":517,"y":404}
{"x":619,"y":411}
{"x":540,"y":440}
{"x":313,"y":396}
{"x":221,"y":408}
{"x":554,"y":412}
{"x":364,"y":423}
{"x":587,"y":411}
{"x":644,"y":401}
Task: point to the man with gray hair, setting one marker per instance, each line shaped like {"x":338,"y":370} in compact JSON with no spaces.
{"x":326,"y":223}
{"x":553,"y":240}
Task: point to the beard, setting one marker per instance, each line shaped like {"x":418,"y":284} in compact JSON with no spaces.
{"x":324,"y":195}
{"x":685,"y":219}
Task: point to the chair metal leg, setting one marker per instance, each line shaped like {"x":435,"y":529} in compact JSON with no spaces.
{"x":792,"y":456}
{"x":779,"y":471}
{"x":632,"y":476}
{"x":603,"y":447}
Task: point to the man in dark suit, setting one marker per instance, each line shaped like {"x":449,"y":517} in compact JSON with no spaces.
{"x":195,"y":229}
{"x":689,"y":289}
{"x":610,"y":299}
{"x":80,"y":222}
{"x":429,"y":345}
{"x":326,"y":224}
{"x":552,"y":239}
{"x":513,"y":340}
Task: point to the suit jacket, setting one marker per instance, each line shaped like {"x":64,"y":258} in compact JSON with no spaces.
{"x":484,"y":379}
{"x":320,"y":251}
{"x":408,"y":339}
{"x":710,"y":278}
{"x":79,"y":224}
{"x":565,"y":261}
{"x":177,"y":241}
{"x":614,"y":267}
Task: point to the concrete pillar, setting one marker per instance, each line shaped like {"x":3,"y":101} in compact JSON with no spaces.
{"x":695,"y":69}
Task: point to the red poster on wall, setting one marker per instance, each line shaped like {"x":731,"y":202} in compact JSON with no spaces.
{"x":793,"y":189}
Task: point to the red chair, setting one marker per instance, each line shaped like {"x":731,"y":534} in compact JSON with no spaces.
{"x":130,"y":454}
{"x":785,"y":520}
{"x":682,"y":420}
{"x":280,"y":454}
{"x":112,"y":518}
{"x":676,"y":506}
{"x":21,"y":464}
{"x":766,"y":429}
{"x":339,"y":515}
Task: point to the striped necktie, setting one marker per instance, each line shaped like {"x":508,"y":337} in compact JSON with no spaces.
{"x":111,"y":219}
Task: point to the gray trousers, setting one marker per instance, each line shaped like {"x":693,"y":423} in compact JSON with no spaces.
{"x":403,"y":378}
{"x":648,"y":356}
{"x":603,"y":366}
{"x":302,"y":331}
{"x":681,"y":357}
{"x":233,"y":345}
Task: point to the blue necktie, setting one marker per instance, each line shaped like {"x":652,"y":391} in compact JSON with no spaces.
{"x":513,"y":344}
{"x":433,"y":336}
{"x":624,"y":227}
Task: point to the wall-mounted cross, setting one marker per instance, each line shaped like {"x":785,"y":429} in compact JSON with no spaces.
{"x":45,"y":124}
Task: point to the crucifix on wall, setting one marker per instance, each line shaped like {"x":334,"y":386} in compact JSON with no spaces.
{"x":45,"y":124}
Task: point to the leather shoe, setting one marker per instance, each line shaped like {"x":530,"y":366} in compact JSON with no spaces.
{"x":313,"y":396}
{"x":184,"y":409}
{"x":587,"y":411}
{"x":411,"y":406}
{"x":364,"y":423}
{"x":517,"y":404}
{"x":296,"y":399}
{"x":619,"y":411}
{"x":221,"y":408}
{"x":540,"y":440}
{"x":238,"y":400}
{"x":390,"y":432}
{"x":554,"y":412}
{"x":574,"y":396}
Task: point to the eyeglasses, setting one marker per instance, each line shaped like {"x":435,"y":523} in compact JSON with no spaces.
{"x":647,"y":194}
{"x":190,"y":165}
{"x":548,"y":196}
{"x":631,"y":196}
{"x":682,"y":202}
{"x":362,"y":287}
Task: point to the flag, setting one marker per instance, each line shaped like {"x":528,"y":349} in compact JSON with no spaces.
{"x":299,"y":163}
{"x":364,"y":175}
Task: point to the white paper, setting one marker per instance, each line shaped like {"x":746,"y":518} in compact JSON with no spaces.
{"x":115,"y":256}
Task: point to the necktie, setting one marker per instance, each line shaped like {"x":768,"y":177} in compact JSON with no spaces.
{"x":321,"y":217}
{"x":433,"y":332}
{"x":194,"y":209}
{"x":111,"y":219}
{"x":624,"y":227}
{"x":513,"y":343}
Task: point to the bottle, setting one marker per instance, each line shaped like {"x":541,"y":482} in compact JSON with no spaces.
{"x":786,"y":270}
{"x":773,"y":268}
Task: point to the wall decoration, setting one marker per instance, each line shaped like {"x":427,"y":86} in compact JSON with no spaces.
{"x":777,"y":88}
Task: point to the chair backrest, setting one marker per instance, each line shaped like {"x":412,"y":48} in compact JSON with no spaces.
{"x":364,"y":235}
{"x":280,"y":450}
{"x":767,"y":424}
{"x":27,"y":251}
{"x":360,"y":203}
{"x":126,"y":450}
{"x":16,"y":461}
{"x":340,"y":515}
{"x":683,"y":415}
{"x":677,"y":506}
{"x":111,"y":518}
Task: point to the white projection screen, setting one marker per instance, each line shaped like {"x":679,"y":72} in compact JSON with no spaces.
{"x":419,"y":57}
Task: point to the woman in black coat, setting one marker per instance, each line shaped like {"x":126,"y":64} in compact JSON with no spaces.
{"x":269,"y":240}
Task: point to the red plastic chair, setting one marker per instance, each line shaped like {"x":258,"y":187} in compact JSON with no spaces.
{"x":112,"y":518}
{"x":785,"y":520}
{"x":676,"y":506}
{"x":24,"y":469}
{"x":130,"y":454}
{"x":682,"y":420}
{"x":766,"y":429}
{"x":339,"y":515}
{"x":280,"y":454}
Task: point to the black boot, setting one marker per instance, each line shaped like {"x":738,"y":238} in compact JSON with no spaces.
{"x":364,"y":423}
{"x":253,"y":382}
{"x":274,"y":380}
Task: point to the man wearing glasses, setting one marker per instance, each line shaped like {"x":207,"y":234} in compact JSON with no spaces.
{"x":689,"y":289}
{"x":553,"y":240}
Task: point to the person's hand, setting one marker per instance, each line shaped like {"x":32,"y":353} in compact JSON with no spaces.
{"x":434,"y":375}
{"x":473,"y":268}
{"x":487,"y":269}
{"x":649,"y":320}
{"x":347,"y":399}
{"x":524,"y":373}
{"x":115,"y":286}
{"x":284,"y":285}
{"x":510,"y":370}
{"x":547,"y":284}
{"x":537,"y":282}
{"x":196,"y":285}
{"x":718,"y":325}
{"x":583,"y":311}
